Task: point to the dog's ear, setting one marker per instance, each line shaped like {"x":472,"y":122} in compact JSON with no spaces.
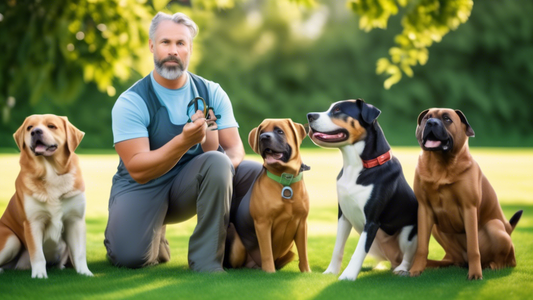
{"x":299,"y":131}
{"x":73,"y":134}
{"x":469,"y":131}
{"x":369,"y":113}
{"x":252,"y":139}
{"x":19,"y":136}
{"x":421,"y":116}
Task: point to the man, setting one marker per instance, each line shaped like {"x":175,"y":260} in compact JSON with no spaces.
{"x":169,"y":168}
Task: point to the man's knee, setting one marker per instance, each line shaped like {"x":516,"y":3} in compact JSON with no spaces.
{"x":218,"y":164}
{"x":127,"y":254}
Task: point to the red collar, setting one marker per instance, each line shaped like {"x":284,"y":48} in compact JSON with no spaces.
{"x":378,"y":161}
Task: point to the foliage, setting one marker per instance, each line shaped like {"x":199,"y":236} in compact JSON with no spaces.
{"x":424,"y":22}
{"x":273,"y":67}
{"x":51,"y":49}
{"x":282,"y":59}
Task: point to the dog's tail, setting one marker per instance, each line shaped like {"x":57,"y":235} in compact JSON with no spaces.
{"x":515,"y":218}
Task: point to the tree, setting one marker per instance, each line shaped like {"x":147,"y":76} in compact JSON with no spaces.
{"x":423,"y":22}
{"x":50,"y":49}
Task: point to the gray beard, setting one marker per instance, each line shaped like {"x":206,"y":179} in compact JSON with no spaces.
{"x":169,"y":73}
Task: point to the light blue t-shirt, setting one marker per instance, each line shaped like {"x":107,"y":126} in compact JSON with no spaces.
{"x":130,"y":117}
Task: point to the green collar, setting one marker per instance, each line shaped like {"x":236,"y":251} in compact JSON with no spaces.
{"x":285,"y":179}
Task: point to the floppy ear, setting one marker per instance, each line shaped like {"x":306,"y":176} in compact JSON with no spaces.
{"x":421,"y":116}
{"x":19,"y":136}
{"x":74,"y":135}
{"x":469,"y":130}
{"x":368,"y":112}
{"x":252,"y":139}
{"x":299,"y":131}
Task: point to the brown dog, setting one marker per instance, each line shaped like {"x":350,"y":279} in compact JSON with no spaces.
{"x":456,"y":200}
{"x":44,"y":222}
{"x":273,"y":214}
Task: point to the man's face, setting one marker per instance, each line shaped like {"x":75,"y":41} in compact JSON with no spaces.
{"x":172,"y":47}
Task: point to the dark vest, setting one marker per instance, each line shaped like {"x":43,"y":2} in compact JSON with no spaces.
{"x":160,"y":131}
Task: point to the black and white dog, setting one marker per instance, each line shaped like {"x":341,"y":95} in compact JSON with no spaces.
{"x":373,"y":196}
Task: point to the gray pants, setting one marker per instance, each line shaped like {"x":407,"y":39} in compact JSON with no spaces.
{"x":204,"y":187}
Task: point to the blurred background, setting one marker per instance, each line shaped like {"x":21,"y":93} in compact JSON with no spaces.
{"x":279,"y":59}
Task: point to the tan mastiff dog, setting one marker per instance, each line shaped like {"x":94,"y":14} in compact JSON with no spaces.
{"x":456,"y":200}
{"x":272,"y":216}
{"x":44,"y":222}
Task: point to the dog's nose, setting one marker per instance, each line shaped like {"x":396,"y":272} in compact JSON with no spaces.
{"x":265,"y":136}
{"x":37,"y":131}
{"x":311,"y":117}
{"x":432,"y":122}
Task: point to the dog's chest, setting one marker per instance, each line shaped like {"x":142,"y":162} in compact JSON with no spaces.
{"x":52,"y":186}
{"x":353,"y":197}
{"x":50,"y":217}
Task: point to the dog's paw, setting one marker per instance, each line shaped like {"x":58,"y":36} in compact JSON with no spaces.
{"x":414,"y":273}
{"x":38,"y":274}
{"x":332,"y":270}
{"x":347,"y":276}
{"x":85,"y":272}
{"x":475,"y":276}
{"x":1,"y":270}
{"x":401,"y":273}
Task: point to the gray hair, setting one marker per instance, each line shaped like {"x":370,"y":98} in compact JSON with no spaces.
{"x":178,"y":18}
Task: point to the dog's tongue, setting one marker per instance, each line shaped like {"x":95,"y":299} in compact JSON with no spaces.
{"x":273,"y":157}
{"x":432,"y":144}
{"x":328,"y":136}
{"x":40,"y":149}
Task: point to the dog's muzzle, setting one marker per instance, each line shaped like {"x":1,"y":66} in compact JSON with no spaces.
{"x":39,"y":146}
{"x":435,"y":136}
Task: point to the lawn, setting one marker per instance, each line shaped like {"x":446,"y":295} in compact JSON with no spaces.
{"x":509,"y":170}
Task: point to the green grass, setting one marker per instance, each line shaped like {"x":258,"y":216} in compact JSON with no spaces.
{"x":509,"y":170}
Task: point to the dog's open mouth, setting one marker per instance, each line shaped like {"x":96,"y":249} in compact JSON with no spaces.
{"x":331,"y":137}
{"x":271,"y":156}
{"x":40,"y":148}
{"x":432,"y":143}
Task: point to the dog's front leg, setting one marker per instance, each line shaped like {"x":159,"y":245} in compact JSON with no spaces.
{"x":343,"y":232}
{"x":263,"y":230}
{"x":33,"y":233}
{"x":301,"y":244}
{"x":425,"y":225}
{"x":363,"y":246}
{"x":472,"y":244}
{"x":75,"y":238}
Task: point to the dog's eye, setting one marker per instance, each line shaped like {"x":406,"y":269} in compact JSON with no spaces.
{"x":279,"y":131}
{"x":29,"y":128}
{"x":447,"y":119}
{"x":51,"y":126}
{"x":336,"y":110}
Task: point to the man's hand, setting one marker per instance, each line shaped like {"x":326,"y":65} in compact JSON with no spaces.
{"x":211,"y":121}
{"x":195,"y":131}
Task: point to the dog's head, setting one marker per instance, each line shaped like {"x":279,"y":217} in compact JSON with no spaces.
{"x":278,"y":142}
{"x":47,"y":135}
{"x":344,"y":123}
{"x":442,"y":129}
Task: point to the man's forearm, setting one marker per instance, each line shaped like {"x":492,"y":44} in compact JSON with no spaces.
{"x":145,"y":166}
{"x":236,"y":155}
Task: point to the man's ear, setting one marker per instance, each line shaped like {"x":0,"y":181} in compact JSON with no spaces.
{"x":252,"y":140}
{"x":74,"y":135}
{"x":19,"y":136}
{"x":151,"y":45}
{"x":469,"y":131}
